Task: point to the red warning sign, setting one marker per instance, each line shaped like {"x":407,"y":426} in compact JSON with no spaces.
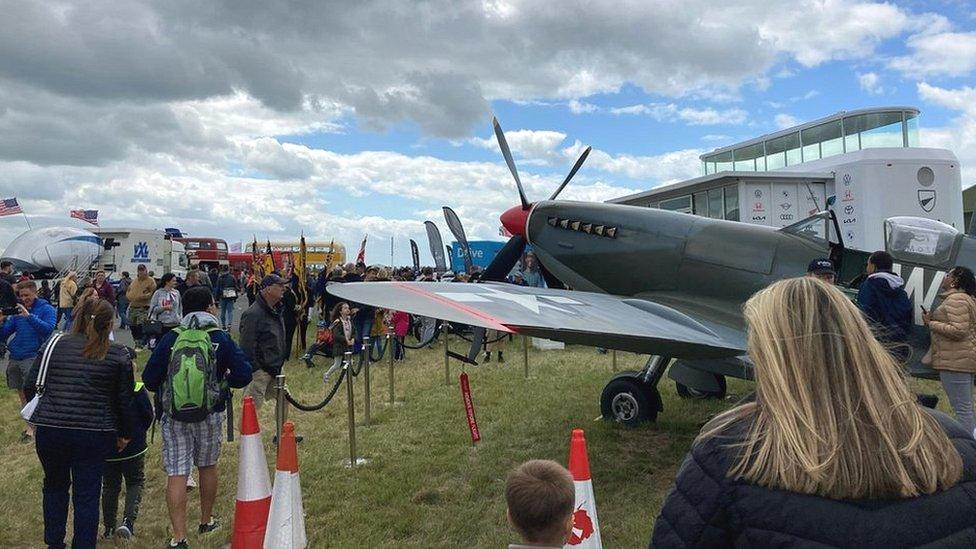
{"x":469,"y":408}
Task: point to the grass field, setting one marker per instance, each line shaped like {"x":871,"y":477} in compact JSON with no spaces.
{"x":424,"y":484}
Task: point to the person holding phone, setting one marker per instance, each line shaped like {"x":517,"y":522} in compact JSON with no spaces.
{"x":953,"y":348}
{"x":30,"y":323}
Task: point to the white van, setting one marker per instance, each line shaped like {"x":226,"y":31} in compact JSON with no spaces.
{"x":125,"y":249}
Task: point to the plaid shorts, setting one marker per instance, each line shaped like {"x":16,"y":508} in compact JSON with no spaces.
{"x":188,"y":444}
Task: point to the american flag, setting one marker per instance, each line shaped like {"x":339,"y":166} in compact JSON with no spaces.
{"x":90,"y":216}
{"x":9,"y":206}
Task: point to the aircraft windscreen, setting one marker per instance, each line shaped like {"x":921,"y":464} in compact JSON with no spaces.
{"x":813,"y":228}
{"x":919,"y":240}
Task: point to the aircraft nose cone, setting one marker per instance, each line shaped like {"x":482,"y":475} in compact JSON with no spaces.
{"x":515,"y":219}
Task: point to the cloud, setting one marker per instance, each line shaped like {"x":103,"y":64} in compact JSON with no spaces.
{"x":669,"y":112}
{"x":581,"y":107}
{"x":959,"y":136}
{"x":784,"y":121}
{"x":870,"y":82}
{"x":938,"y":54}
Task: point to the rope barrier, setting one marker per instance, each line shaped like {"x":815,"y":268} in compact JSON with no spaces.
{"x":320,"y":405}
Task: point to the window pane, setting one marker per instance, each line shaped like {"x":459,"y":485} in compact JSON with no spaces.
{"x":715,"y":208}
{"x":745,"y":157}
{"x":853,"y":142}
{"x":777,"y":160}
{"x":912,"y":122}
{"x":831,"y":147}
{"x":732,"y":203}
{"x":678,"y":204}
{"x":784,"y":143}
{"x":701,"y":204}
{"x":876,"y":129}
{"x":704,"y":168}
{"x":221,"y":245}
{"x":811,"y":152}
{"x":793,"y":157}
{"x":723,"y":162}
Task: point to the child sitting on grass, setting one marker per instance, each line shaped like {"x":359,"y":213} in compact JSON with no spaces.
{"x":540,"y":497}
{"x":323,"y":340}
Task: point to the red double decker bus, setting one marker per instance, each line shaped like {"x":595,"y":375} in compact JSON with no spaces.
{"x":205,"y":252}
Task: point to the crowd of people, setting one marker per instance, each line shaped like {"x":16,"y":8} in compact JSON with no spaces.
{"x":833,"y":436}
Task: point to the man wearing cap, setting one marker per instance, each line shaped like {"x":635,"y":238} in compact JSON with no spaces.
{"x":823,"y":269}
{"x":263,"y":337}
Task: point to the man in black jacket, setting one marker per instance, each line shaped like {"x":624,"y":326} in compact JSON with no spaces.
{"x":263,"y":337}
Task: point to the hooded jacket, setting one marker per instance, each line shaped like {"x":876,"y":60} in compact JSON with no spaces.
{"x":231,"y":362}
{"x":707,"y":509}
{"x":30,"y":331}
{"x":951,"y":324}
{"x":263,"y":336}
{"x":142,"y":418}
{"x":883,"y":300}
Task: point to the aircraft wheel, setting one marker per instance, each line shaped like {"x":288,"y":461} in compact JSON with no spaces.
{"x":685,"y":391}
{"x":627,"y":400}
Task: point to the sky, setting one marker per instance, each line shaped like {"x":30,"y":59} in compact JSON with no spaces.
{"x":244,"y":118}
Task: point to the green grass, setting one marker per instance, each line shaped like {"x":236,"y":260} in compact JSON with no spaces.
{"x":424,"y":485}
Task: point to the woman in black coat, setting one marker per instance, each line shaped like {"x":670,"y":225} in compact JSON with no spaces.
{"x":83,"y":416}
{"x":834,"y":452}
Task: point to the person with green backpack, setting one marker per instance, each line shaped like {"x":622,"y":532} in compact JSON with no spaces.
{"x":191,"y":371}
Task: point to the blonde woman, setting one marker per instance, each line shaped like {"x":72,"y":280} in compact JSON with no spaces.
{"x":66,"y":299}
{"x":834,"y":452}
{"x":953,"y":348}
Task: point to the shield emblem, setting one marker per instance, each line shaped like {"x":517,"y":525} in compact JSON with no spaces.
{"x":926,"y":199}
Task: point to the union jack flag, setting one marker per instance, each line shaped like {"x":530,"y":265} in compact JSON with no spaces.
{"x":90,"y":216}
{"x":9,"y":206}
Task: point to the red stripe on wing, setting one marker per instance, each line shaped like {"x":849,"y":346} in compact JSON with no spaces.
{"x":495,"y":323}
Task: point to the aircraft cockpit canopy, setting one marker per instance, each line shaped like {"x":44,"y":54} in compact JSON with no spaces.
{"x":814,"y":228}
{"x":922,"y":241}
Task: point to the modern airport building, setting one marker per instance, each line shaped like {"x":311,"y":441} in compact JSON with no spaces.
{"x":868,"y":163}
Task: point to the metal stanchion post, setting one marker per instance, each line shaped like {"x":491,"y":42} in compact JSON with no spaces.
{"x":390,"y":343}
{"x":279,"y":405}
{"x":445,"y":331}
{"x":366,"y":360}
{"x":525,"y":355}
{"x":352,"y":409}
{"x":613,"y":360}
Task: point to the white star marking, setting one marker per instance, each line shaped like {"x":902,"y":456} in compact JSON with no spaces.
{"x":487,"y":294}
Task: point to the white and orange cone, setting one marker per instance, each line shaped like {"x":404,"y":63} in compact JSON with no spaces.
{"x":253,"y":484}
{"x":286,"y":521}
{"x":586,"y":527}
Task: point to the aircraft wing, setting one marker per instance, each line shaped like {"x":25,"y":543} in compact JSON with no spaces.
{"x":585,"y":318}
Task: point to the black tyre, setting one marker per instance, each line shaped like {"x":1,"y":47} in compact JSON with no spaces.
{"x":629,"y":401}
{"x":685,"y":391}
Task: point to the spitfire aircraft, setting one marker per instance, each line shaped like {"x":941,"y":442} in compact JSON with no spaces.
{"x":670,"y":285}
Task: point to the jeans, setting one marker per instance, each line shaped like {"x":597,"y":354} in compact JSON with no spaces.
{"x":399,"y":351}
{"x":123,"y":307}
{"x":959,"y":389}
{"x":72,"y":459}
{"x":227,"y":312}
{"x":65,"y":313}
{"x":364,"y":325}
{"x":133,"y":471}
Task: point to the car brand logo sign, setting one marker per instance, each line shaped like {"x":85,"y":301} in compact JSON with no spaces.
{"x":926,"y":199}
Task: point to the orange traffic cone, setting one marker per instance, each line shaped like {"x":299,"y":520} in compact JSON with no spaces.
{"x":253,"y":484}
{"x":286,"y":521}
{"x":586,"y":527}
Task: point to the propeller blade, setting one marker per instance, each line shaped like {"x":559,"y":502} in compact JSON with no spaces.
{"x":572,"y":172}
{"x":507,"y":153}
{"x":477,"y":341}
{"x":551,"y":280}
{"x":506,"y":259}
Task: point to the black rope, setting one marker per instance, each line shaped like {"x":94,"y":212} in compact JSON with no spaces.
{"x":421,"y":345}
{"x":486,"y":342}
{"x":355,"y":371}
{"x":320,"y":405}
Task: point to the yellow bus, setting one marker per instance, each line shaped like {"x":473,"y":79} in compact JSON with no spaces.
{"x":317,"y":251}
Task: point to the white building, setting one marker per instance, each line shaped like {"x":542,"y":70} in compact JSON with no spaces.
{"x":866,"y":163}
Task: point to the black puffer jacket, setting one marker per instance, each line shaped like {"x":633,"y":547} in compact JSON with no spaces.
{"x":706,"y":509}
{"x":263,"y":336}
{"x":80,"y":393}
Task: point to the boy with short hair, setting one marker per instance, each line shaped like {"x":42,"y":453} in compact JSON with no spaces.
{"x":540,"y":495}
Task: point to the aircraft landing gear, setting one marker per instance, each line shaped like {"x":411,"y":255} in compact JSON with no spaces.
{"x":632,"y":397}
{"x":684,"y":391}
